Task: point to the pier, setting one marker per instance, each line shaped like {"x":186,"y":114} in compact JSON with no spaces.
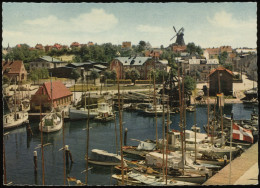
{"x":244,"y":170}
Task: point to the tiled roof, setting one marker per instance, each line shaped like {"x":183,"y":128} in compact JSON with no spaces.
{"x":133,"y":60}
{"x":220,"y":68}
{"x":213,"y":50}
{"x":59,"y":90}
{"x":15,"y":66}
{"x":100,"y":66}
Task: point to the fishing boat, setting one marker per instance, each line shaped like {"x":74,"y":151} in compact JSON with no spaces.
{"x":101,"y":157}
{"x":154,"y":110}
{"x":127,"y":180}
{"x":105,"y":113}
{"x":82,"y":113}
{"x":15,"y":119}
{"x":141,"y":150}
{"x":155,"y":180}
{"x":51,"y":122}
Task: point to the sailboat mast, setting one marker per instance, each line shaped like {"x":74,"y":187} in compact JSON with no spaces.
{"x":63,"y":143}
{"x":51,"y":93}
{"x":87,"y":132}
{"x":167,"y":138}
{"x":208,"y":104}
{"x":121,"y":136}
{"x":42,"y":151}
{"x":180,"y":101}
{"x":154,"y":101}
{"x":163,"y":131}
{"x":195,"y":125}
{"x":184,"y":109}
{"x":15,"y":99}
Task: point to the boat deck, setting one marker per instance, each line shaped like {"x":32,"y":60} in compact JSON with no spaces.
{"x":239,"y":166}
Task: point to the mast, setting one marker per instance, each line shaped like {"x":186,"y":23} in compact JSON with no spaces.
{"x":51,"y":94}
{"x":43,"y":179}
{"x":180,"y":101}
{"x":184,"y":109}
{"x":121,"y":136}
{"x":63,"y":143}
{"x":154,"y":98}
{"x":231,"y":131}
{"x":163,"y":131}
{"x":87,"y":147}
{"x":208,"y":104}
{"x":195,"y":124}
{"x":5,"y":180}
{"x":167,"y":137}
{"x":15,"y":117}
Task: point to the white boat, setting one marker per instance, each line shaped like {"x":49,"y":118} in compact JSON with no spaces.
{"x":105,"y":112}
{"x":82,"y":113}
{"x":155,"y":181}
{"x":51,"y":122}
{"x":101,"y":157}
{"x":158,"y":109}
{"x":15,"y":119}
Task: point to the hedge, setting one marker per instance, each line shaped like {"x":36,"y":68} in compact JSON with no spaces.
{"x":128,"y":81}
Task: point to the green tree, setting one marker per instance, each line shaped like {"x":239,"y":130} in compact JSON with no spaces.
{"x":223,"y":57}
{"x":94,"y":75}
{"x":189,"y":83}
{"x":74,"y":75}
{"x":191,"y":48}
{"x":33,"y":76}
{"x":228,"y":66}
{"x":5,"y":79}
{"x":107,"y":75}
{"x":113,"y":75}
{"x":160,"y":74}
{"x":135,"y":74}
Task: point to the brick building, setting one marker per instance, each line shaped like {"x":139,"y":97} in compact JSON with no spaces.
{"x":14,"y":69}
{"x":49,"y":91}
{"x":220,"y":77}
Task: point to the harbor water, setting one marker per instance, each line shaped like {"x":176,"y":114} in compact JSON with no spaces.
{"x":19,"y":149}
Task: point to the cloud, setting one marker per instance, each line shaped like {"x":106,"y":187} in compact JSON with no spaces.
{"x":226,"y":20}
{"x":149,"y":29}
{"x":95,"y":21}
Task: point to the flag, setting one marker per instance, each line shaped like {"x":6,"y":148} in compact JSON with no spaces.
{"x":240,"y":133}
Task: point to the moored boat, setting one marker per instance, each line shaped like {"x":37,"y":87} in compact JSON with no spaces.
{"x":52,"y":122}
{"x":15,"y":119}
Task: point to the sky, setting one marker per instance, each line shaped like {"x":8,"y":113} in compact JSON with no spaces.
{"x":205,"y":24}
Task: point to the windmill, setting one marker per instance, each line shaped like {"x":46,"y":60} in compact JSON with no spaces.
{"x":179,"y":34}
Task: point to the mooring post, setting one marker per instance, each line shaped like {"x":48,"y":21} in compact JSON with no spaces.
{"x":28,"y":129}
{"x":35,"y":161}
{"x":125,"y":137}
{"x":67,"y":154}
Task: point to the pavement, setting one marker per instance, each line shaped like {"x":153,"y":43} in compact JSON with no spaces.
{"x":244,"y":170}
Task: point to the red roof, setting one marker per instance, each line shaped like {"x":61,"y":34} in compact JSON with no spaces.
{"x":76,"y":44}
{"x":59,"y":90}
{"x":220,"y":68}
{"x":13,"y":66}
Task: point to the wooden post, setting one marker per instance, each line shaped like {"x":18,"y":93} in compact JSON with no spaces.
{"x":67,"y":154}
{"x":5,"y":180}
{"x":120,"y":125}
{"x":35,"y":161}
{"x":184,"y":110}
{"x":125,"y":136}
{"x":63,"y":145}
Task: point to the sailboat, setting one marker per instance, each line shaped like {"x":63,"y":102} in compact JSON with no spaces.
{"x":52,"y":121}
{"x":15,"y":118}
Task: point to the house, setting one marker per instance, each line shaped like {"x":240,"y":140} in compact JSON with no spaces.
{"x":212,"y":53}
{"x":153,"y":53}
{"x":48,"y":48}
{"x":51,"y":94}
{"x":57,"y":46}
{"x":46,"y":62}
{"x":14,"y":69}
{"x":75,"y":45}
{"x":221,"y":81}
{"x":143,"y":64}
{"x":178,"y":48}
{"x":39,"y":47}
{"x":126,"y":45}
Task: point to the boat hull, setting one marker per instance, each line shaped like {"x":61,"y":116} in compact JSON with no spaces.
{"x":75,"y":114}
{"x":17,"y":123}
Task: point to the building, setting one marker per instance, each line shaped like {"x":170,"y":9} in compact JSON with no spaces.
{"x":143,"y":64}
{"x":57,"y":46}
{"x":75,"y":45}
{"x":51,"y":94}
{"x":178,"y":48}
{"x":46,"y":62}
{"x":211,"y":53}
{"x":39,"y":47}
{"x":48,"y":48}
{"x":220,"y":81}
{"x":126,"y":45}
{"x":14,"y":69}
{"x":153,"y":53}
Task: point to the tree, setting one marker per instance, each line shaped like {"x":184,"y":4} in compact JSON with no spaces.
{"x":33,"y":76}
{"x":113,"y":75}
{"x":222,"y":57}
{"x":228,"y":66}
{"x":191,"y":48}
{"x":135,"y":75}
{"x":74,"y":75}
{"x":94,"y":75}
{"x":5,"y":79}
{"x":189,"y":83}
{"x":160,"y":74}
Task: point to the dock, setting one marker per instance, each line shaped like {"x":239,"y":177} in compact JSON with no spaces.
{"x":244,"y":170}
